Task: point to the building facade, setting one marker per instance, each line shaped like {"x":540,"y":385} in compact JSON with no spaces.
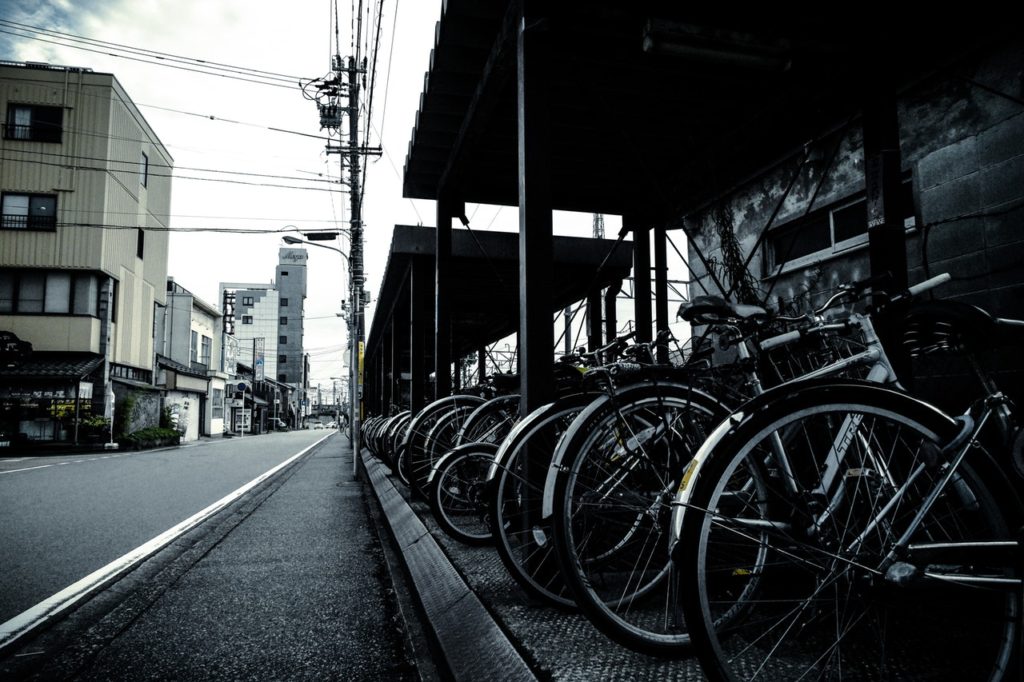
{"x":266,"y":321}
{"x":190,"y":363}
{"x":85,"y":189}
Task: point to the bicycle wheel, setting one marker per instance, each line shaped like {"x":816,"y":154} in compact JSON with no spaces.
{"x":839,"y":569}
{"x":522,"y":536}
{"x":457,"y":492}
{"x":418,"y":460}
{"x":619,"y":466}
{"x":491,"y":422}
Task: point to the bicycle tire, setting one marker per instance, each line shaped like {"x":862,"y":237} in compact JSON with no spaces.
{"x":523,"y":538}
{"x":457,"y":493}
{"x":417,"y":461}
{"x":490,"y":422}
{"x":797,"y":586}
{"x":615,"y":473}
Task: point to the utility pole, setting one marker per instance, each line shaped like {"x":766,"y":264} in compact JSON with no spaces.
{"x":345,"y":82}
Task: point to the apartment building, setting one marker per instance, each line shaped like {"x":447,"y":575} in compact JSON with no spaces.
{"x":85,"y":187}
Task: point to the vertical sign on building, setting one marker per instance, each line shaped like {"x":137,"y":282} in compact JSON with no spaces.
{"x":258,"y":357}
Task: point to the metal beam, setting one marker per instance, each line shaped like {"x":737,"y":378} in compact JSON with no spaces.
{"x":661,"y":288}
{"x":446,"y":210}
{"x":641,"y":276}
{"x":421,"y":326}
{"x":536,"y":327}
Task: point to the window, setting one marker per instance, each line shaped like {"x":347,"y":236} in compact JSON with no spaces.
{"x":140,"y":244}
{"x":282,"y":339}
{"x":827,"y":232}
{"x":283,"y":378}
{"x":58,"y":293}
{"x":284,"y":273}
{"x":217,"y":403}
{"x":247,"y":300}
{"x":31,"y":288}
{"x":33,"y":123}
{"x":246,"y":319}
{"x":29,"y":212}
{"x":193,"y":349}
{"x":284,"y":302}
{"x":86,"y":295}
{"x":204,"y":352}
{"x":282,"y":359}
{"x":6,"y":292}
{"x":144,"y":169}
{"x":284,"y":320}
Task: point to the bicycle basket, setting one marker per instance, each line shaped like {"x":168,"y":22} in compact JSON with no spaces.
{"x":810,"y":353}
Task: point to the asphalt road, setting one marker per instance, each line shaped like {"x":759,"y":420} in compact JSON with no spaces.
{"x":65,"y":517}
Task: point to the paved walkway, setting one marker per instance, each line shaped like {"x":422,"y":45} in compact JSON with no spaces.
{"x":289,"y":583}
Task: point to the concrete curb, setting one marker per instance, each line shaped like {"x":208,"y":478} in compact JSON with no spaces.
{"x":473,"y":645}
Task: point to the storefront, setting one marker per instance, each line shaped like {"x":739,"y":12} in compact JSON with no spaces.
{"x":51,"y":397}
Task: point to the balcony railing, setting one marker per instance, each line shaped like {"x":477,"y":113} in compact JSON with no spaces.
{"x":28,"y":222}
{"x":38,"y":132}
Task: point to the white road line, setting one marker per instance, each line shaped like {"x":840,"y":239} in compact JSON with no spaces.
{"x":14,"y":471}
{"x":28,"y":620}
{"x":13,"y":459}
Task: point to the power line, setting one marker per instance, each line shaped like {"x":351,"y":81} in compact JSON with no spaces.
{"x":134,"y":165}
{"x":228,"y":76}
{"x":154,"y":53}
{"x":71,"y":166}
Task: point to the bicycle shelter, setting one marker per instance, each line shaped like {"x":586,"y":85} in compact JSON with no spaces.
{"x":483,"y":303}
{"x":651,"y":111}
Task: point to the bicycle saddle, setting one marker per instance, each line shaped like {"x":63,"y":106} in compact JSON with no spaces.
{"x":954,"y":326}
{"x":715,"y":310}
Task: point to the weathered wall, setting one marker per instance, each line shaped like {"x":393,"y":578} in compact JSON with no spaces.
{"x":962,"y":144}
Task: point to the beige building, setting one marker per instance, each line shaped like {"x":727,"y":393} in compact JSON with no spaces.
{"x":85,"y":194}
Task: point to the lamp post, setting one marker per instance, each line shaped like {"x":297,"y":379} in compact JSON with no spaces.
{"x":356,"y":300}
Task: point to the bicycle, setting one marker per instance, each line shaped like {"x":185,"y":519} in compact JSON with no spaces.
{"x":616,"y":472}
{"x":844,"y":530}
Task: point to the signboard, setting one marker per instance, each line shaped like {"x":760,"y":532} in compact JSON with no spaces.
{"x":85,"y":390}
{"x":230,"y":354}
{"x":293,"y":256}
{"x":235,"y":402}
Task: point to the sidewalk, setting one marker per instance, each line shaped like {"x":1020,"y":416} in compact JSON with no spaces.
{"x":289,"y":583}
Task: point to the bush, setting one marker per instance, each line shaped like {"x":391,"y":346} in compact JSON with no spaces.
{"x":152,"y":437}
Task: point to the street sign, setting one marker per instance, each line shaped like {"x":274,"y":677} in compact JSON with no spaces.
{"x":242,"y":386}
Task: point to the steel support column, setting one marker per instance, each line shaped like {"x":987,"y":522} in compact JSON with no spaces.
{"x":641,"y":277}
{"x":481,"y":364}
{"x":446,"y":210}
{"x":886,"y":235}
{"x":421,"y":326}
{"x":594,"y":319}
{"x":536,"y":327}
{"x":611,"y":321}
{"x":661,"y":318}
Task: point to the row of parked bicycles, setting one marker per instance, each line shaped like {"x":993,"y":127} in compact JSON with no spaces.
{"x":776,"y":503}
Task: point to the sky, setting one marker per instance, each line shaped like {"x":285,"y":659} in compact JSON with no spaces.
{"x":217,"y":128}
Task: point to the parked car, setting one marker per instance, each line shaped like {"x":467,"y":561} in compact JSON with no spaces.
{"x":279,"y":425}
{"x":332,"y":425}
{"x":317,"y":425}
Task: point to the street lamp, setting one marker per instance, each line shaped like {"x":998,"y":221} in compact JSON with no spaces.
{"x":354,"y":335}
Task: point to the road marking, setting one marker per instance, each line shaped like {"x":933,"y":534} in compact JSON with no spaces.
{"x":35,"y":616}
{"x":14,"y":471}
{"x":13,"y":459}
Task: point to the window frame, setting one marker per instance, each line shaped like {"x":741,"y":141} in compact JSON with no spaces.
{"x":246,"y":319}
{"x":144,"y":169}
{"x":33,"y":223}
{"x":35,"y":131}
{"x":835,"y":248}
{"x":72,"y":292}
{"x":247,"y":300}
